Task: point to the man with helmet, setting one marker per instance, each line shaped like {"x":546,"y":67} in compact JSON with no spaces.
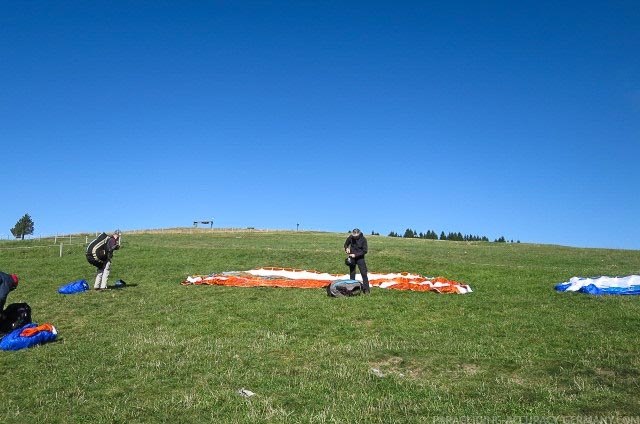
{"x":356,"y":247}
{"x":7,"y":283}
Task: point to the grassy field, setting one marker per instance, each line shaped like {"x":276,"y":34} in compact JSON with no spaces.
{"x":160,"y":352}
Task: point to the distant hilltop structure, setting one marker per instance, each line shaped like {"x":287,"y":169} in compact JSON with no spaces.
{"x":208,"y":222}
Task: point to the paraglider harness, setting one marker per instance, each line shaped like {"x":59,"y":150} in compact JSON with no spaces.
{"x":97,"y":253}
{"x":344,"y":288}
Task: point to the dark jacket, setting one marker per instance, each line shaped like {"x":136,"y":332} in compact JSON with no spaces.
{"x":357,"y":245}
{"x":6,"y":285}
{"x":111,"y":245}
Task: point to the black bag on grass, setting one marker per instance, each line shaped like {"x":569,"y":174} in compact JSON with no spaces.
{"x":15,"y":315}
{"x":344,"y":288}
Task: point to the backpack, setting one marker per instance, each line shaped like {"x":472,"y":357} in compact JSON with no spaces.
{"x":97,"y":251}
{"x":16,"y":315}
{"x":342,"y":288}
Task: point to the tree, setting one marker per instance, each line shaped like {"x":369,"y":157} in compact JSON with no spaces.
{"x":409,"y":233}
{"x":23,"y":227}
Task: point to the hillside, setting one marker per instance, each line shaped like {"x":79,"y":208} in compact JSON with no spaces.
{"x":157,"y":351}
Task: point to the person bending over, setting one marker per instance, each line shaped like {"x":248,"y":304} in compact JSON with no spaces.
{"x":7,"y":284}
{"x":356,"y":247}
{"x":99,"y":254}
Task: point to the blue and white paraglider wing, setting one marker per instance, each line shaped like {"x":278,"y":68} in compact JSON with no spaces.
{"x":629,"y":285}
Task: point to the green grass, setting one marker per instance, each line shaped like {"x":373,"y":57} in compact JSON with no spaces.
{"x":160,"y":352}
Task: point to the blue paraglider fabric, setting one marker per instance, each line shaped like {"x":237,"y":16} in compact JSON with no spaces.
{"x":28,"y":336}
{"x":75,"y":287}
{"x":629,"y":285}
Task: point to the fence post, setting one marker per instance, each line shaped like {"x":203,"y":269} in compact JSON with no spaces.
{"x":60,"y":249}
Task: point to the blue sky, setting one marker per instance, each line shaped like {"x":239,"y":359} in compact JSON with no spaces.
{"x":514,"y":119}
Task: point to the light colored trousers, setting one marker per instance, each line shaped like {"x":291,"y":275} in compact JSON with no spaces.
{"x":102,"y":276}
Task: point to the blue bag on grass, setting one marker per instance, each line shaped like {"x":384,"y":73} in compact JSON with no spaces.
{"x":16,"y":340}
{"x":75,"y":287}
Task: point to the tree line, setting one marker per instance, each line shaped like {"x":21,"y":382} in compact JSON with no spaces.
{"x":25,"y":226}
{"x":451,"y":236}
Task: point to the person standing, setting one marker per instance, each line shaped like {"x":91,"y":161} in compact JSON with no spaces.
{"x":356,"y":247}
{"x":7,"y":283}
{"x":99,"y":254}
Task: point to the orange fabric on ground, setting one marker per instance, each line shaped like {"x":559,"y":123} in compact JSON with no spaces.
{"x":421,"y":284}
{"x":398,"y":281}
{"x":244,"y":279}
{"x":254,"y":281}
{"x":32,"y":331}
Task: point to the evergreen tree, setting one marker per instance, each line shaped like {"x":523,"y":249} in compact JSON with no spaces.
{"x":23,"y":227}
{"x":451,"y":236}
